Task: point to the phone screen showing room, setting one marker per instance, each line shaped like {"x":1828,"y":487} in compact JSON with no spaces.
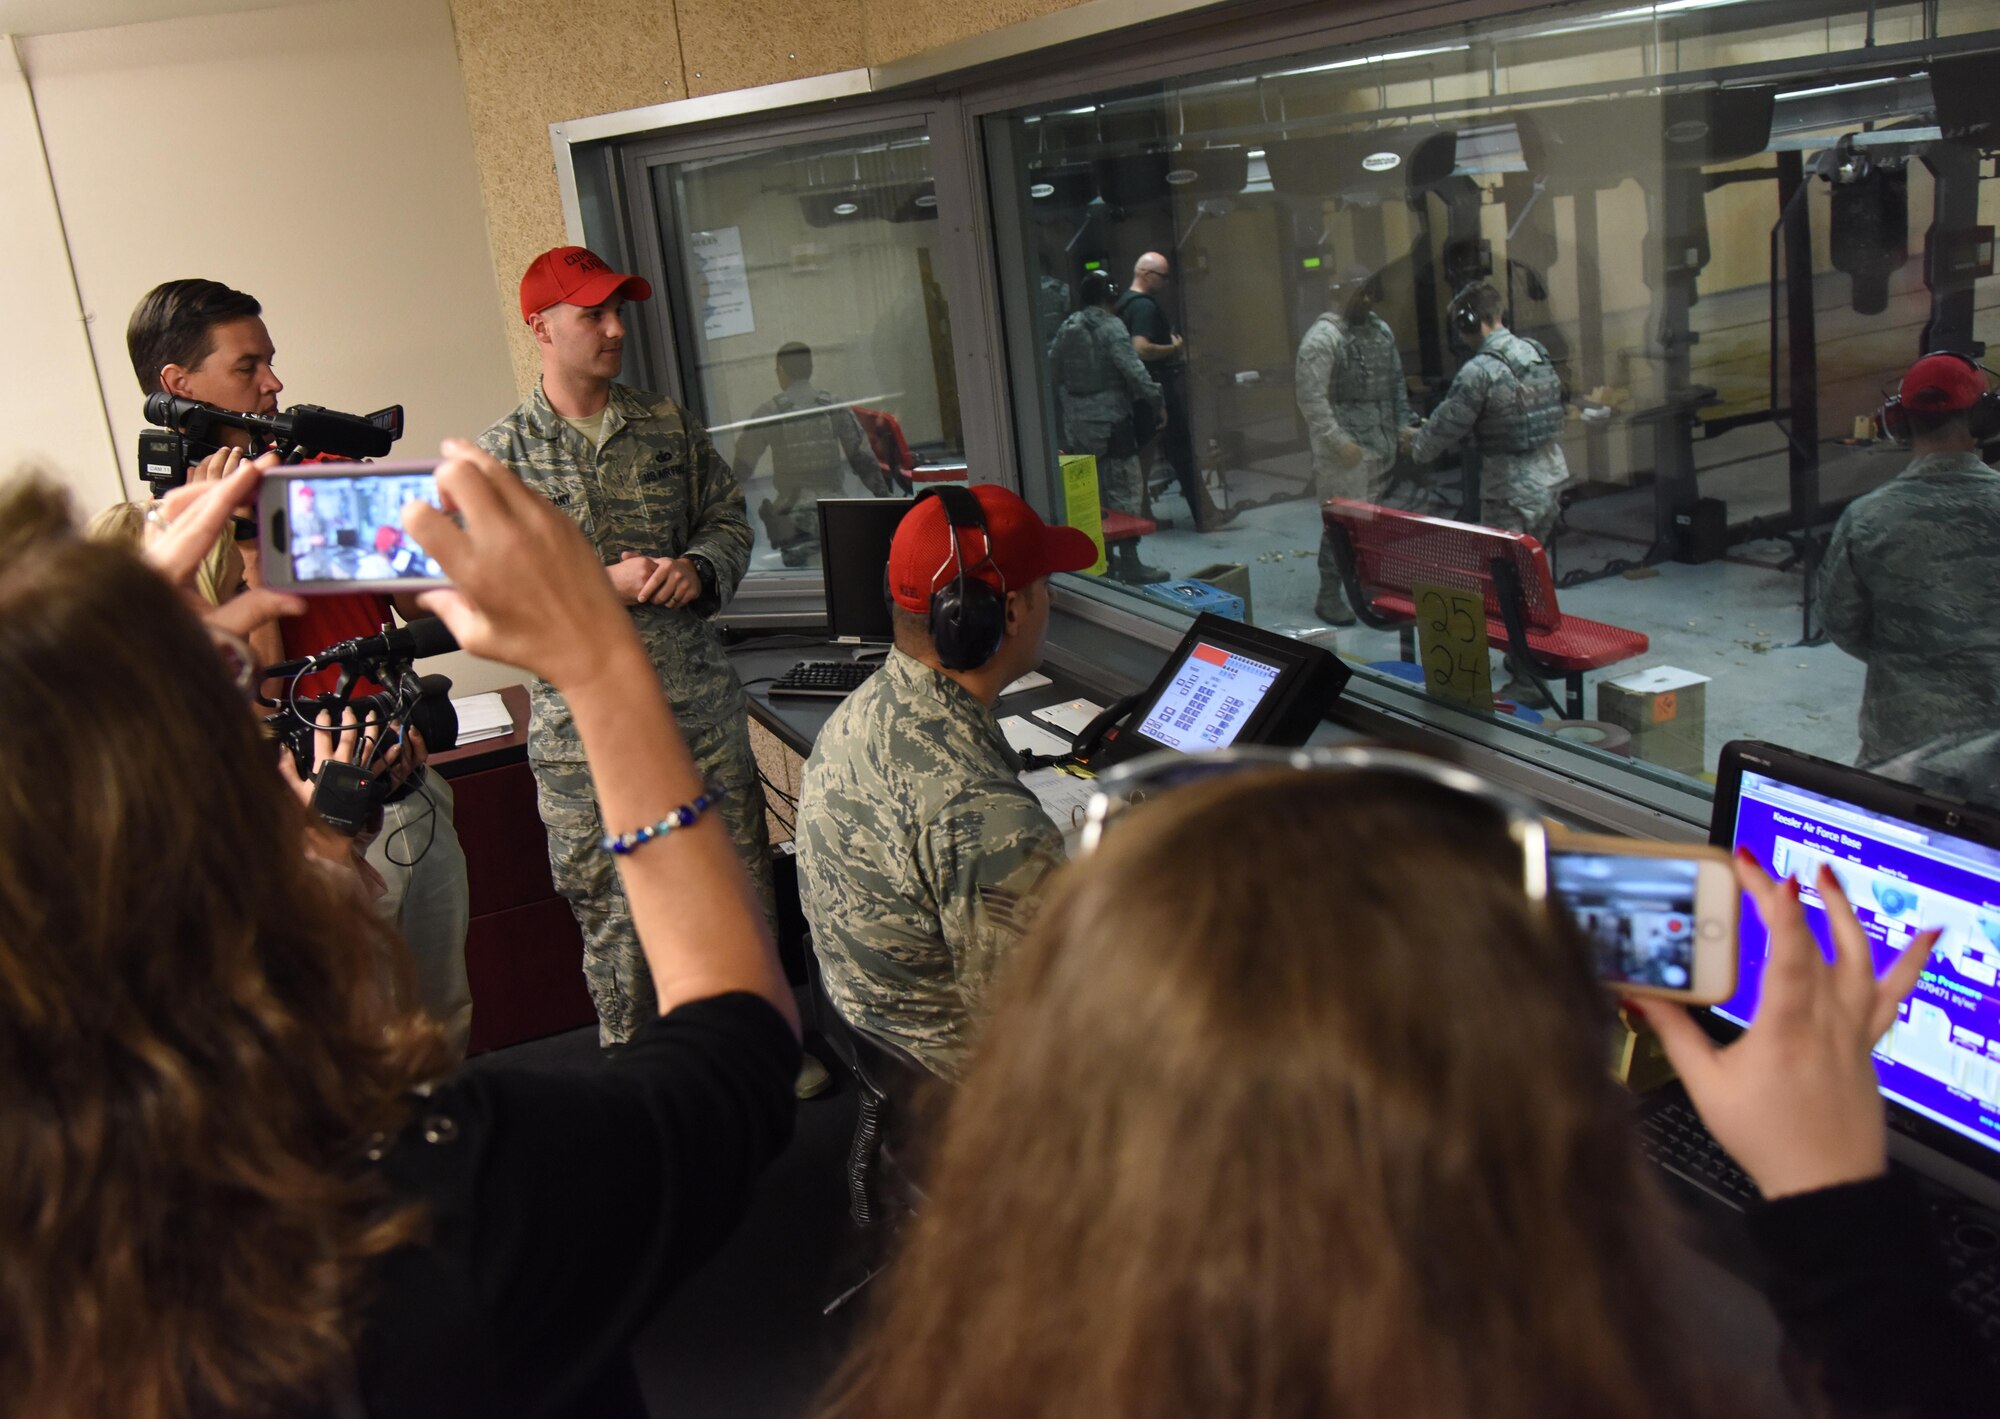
{"x":351,"y":529}
{"x":1636,"y":912}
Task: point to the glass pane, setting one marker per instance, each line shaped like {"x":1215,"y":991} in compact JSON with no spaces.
{"x":1710,"y":238}
{"x":817,"y":339}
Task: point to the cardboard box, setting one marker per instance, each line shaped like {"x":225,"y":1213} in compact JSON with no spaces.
{"x":1232,"y":577}
{"x":1663,"y":710}
{"x":1195,"y":597}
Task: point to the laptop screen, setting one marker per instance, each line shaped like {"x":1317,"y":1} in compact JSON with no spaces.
{"x":1903,"y":872}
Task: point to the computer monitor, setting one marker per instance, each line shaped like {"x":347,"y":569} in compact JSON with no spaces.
{"x":854,"y":537}
{"x":1907,"y":861}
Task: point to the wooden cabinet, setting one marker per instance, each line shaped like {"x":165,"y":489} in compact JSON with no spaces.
{"x":523,"y":952}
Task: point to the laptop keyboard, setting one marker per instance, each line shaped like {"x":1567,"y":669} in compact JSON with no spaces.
{"x":828,"y":679}
{"x":1673,"y":1138}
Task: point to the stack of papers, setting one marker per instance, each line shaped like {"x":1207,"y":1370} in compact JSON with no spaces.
{"x":482,"y":717}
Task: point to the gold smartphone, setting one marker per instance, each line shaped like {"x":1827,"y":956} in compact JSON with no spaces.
{"x":1660,"y":917}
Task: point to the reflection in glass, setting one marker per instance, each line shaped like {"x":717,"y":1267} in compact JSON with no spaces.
{"x":1715,"y":236}
{"x":819,"y":341}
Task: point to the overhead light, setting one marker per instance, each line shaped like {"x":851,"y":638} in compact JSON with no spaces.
{"x":1181,"y":177}
{"x":1842,"y":88}
{"x":1255,"y":153}
{"x":1626,"y":17}
{"x":1042,"y":189}
{"x":927,"y":199}
{"x":845,"y":209}
{"x":1373,"y":59}
{"x":1074,"y":112}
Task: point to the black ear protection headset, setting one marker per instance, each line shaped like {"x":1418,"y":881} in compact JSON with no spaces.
{"x":968,"y":617}
{"x":1983,"y":416}
{"x":1462,"y":315}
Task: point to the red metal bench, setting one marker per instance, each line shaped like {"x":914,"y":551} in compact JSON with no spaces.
{"x":1123,"y":526}
{"x":1383,"y":552}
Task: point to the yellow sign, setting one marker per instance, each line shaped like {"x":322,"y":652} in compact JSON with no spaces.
{"x":1081,"y":508}
{"x":1451,"y":644}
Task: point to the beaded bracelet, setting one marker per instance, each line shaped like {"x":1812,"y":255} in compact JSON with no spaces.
{"x":683,"y":816}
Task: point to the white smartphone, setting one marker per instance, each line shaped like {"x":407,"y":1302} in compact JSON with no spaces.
{"x":330,"y":527}
{"x":1660,"y":917}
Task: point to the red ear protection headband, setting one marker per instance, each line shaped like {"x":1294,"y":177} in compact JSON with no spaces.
{"x":1983,"y":415}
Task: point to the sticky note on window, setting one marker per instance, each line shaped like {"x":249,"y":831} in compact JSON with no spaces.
{"x":1081,"y":508}
{"x":1451,"y":644}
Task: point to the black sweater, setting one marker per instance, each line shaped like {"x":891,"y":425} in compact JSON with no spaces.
{"x":565,"y":1207}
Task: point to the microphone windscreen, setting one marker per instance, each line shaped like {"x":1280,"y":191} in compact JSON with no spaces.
{"x":430,"y":636}
{"x":342,"y":435}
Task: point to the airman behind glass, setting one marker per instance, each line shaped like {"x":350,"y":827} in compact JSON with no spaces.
{"x":1911,"y":585}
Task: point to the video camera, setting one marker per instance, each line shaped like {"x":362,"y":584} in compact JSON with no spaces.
{"x":348,"y":796}
{"x":186,"y":434}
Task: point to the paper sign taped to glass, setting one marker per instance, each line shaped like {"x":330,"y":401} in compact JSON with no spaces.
{"x":1081,"y":508}
{"x":1451,"y":644}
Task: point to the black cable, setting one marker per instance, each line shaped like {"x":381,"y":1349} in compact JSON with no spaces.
{"x":429,"y":815}
{"x":775,"y":789}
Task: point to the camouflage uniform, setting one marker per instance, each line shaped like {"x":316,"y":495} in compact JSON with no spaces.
{"x":1351,"y":393}
{"x":1099,"y":377}
{"x":1509,"y":397}
{"x":1909,"y":588}
{"x":655,"y":486}
{"x":920,"y":856}
{"x":809,"y":454}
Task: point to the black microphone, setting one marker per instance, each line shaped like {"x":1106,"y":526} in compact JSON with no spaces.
{"x":423,"y":637}
{"x":305,"y":426}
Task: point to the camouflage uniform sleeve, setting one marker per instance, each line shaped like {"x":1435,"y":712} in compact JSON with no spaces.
{"x":1402,"y":387}
{"x":1454,"y":417}
{"x":1132,"y":370}
{"x":985,"y":856}
{"x":1843,"y":606}
{"x":719,"y":527}
{"x":1311,"y":379}
{"x":860,"y":454}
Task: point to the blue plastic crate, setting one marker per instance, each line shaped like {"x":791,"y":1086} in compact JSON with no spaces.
{"x":1194,"y":597}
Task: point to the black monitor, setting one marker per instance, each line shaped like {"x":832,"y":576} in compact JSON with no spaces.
{"x":854,"y":537}
{"x":1908,"y":860}
{"x":1229,"y":683}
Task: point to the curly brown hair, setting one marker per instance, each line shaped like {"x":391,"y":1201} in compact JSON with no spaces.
{"x":1291,"y":1106}
{"x":198,"y":1046}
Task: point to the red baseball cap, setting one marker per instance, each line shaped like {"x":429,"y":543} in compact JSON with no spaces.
{"x":578,"y":276}
{"x":1942,"y":384}
{"x":1018,"y":548}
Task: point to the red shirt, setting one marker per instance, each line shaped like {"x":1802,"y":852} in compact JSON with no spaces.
{"x":328,"y":621}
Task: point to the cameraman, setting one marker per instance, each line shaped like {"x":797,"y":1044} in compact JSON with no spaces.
{"x":199,"y":339}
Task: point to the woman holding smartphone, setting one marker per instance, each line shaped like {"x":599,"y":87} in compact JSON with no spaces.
{"x":1325,"y":1129}
{"x":236,"y":1180}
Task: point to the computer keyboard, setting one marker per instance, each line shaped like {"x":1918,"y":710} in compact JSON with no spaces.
{"x":1673,"y":1137}
{"x":825,"y":679}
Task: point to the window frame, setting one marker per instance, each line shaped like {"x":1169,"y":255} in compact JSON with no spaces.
{"x":954,"y":91}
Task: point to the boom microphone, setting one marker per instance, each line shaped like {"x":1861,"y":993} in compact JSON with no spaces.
{"x":425,"y":636}
{"x":305,"y":426}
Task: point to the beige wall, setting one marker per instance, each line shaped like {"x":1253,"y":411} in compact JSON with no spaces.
{"x":619,"y":54}
{"x":317,"y":156}
{"x":49,"y":404}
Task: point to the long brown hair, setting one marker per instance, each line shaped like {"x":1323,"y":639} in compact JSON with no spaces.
{"x":1290,"y":1105}
{"x":196,"y":1045}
